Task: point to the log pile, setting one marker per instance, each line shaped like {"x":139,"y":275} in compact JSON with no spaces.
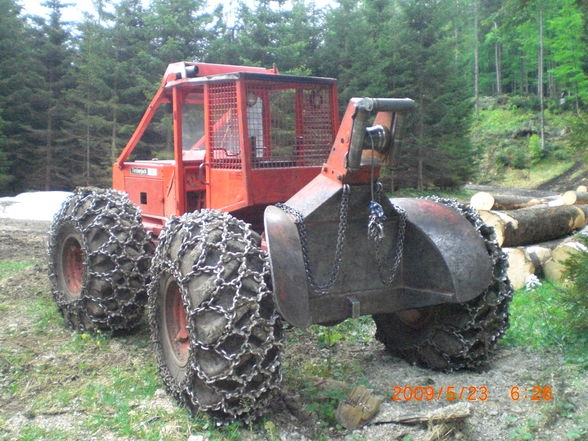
{"x":536,"y":233}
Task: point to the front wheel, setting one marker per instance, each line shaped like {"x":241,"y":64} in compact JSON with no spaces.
{"x":216,"y":332}
{"x":457,"y":335}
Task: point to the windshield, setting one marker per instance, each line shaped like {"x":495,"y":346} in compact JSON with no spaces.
{"x":193,"y":123}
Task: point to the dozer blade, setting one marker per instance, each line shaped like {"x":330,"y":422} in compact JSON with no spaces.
{"x":444,"y":259}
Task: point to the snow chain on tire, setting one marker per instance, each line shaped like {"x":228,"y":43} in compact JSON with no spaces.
{"x":114,"y":256}
{"x":455,"y":336}
{"x":234,"y":334}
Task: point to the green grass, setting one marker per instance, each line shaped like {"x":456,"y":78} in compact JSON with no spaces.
{"x":538,"y":173}
{"x":11,"y":267}
{"x":351,"y":330}
{"x":77,"y":385}
{"x":33,"y":432}
{"x":501,"y":121}
{"x":539,"y":319}
{"x":508,"y":137}
{"x":43,"y":314}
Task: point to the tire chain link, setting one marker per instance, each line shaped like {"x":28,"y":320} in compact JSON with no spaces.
{"x":486,"y":315}
{"x":109,"y":211}
{"x":494,"y":300}
{"x":195,"y":230}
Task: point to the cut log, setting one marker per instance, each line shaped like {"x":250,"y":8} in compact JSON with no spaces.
{"x":520,"y":267}
{"x":581,"y":197}
{"x":554,"y":267}
{"x":487,"y":201}
{"x":359,"y":407}
{"x":584,"y":208}
{"x":527,"y":226}
{"x":538,"y":255}
{"x":398,"y":415}
{"x":525,"y":261}
{"x":482,"y":201}
{"x":551,"y":244}
{"x":582,"y":189}
{"x":568,"y":198}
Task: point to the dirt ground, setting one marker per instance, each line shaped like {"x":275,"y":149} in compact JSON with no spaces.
{"x":494,"y":415}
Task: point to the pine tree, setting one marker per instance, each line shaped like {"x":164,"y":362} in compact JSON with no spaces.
{"x":568,"y":51}
{"x":135,"y":74}
{"x":55,"y":157}
{"x":178,"y":30}
{"x":19,"y":85}
{"x":91,"y":97}
{"x":440,"y":151}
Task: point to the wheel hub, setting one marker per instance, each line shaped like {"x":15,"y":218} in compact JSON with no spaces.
{"x":72,"y":258}
{"x":415,"y":318}
{"x":175,"y":324}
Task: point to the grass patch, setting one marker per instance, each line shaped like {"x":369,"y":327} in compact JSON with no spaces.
{"x":33,"y":432}
{"x":44,"y":314}
{"x":536,"y":175}
{"x":359,"y":330}
{"x":539,"y":319}
{"x":11,"y":267}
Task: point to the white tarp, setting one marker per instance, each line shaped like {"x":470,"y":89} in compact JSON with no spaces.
{"x":36,"y":205}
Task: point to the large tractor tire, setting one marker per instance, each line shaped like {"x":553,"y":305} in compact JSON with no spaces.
{"x":99,"y":260}
{"x":453,"y":336}
{"x":217,"y":335}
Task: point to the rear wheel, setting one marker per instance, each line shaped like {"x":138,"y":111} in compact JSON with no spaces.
{"x":453,"y":336}
{"x":216,"y":332}
{"x":99,"y":259}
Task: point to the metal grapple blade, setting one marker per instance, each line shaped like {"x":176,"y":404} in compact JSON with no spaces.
{"x":444,"y":259}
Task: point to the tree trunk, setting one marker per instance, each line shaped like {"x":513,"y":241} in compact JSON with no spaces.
{"x":524,"y":77}
{"x":476,"y":58}
{"x":87,"y":165}
{"x":497,"y":63}
{"x":49,"y":150}
{"x":420,"y":159}
{"x":113,"y":136}
{"x":551,"y":86}
{"x":540,"y":79}
{"x":486,"y":201}
{"x":532,"y":225}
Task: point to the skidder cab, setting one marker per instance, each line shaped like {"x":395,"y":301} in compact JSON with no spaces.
{"x":243,"y":138}
{"x":269,"y":210}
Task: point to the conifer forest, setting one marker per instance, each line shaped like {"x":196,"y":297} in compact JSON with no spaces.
{"x":71,"y":94}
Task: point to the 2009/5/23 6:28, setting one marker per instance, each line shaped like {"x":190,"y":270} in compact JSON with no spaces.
{"x":447,"y":393}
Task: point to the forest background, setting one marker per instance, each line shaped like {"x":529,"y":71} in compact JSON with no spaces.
{"x":498,"y":84}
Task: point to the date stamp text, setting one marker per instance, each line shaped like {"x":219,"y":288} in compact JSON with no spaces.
{"x":469,"y":393}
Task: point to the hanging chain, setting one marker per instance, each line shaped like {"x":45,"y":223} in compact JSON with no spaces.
{"x":322,"y":288}
{"x":376,"y":228}
{"x":376,"y":234}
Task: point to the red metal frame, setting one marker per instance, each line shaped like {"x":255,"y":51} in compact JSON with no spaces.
{"x":163,"y":188}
